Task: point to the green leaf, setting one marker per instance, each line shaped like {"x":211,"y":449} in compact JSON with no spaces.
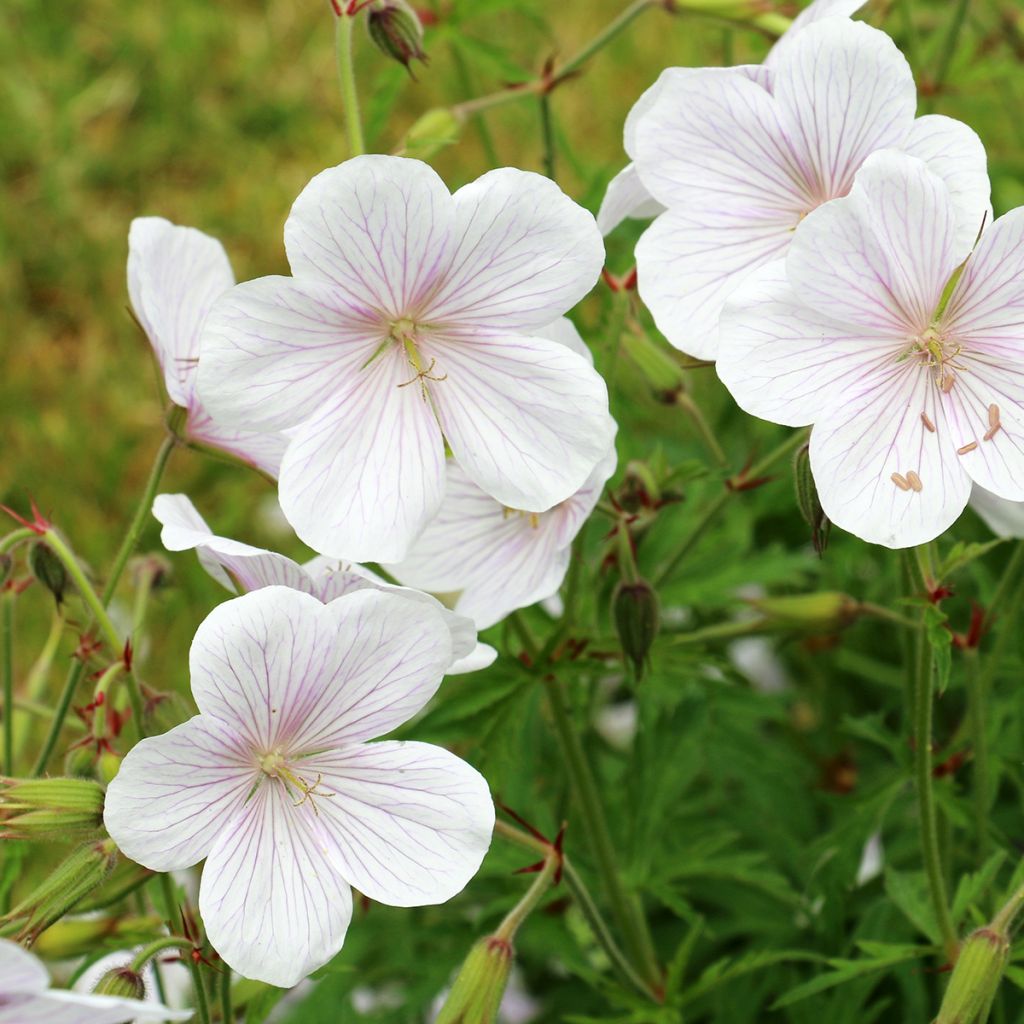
{"x":909,"y":891}
{"x":973,"y":885}
{"x":941,"y":642}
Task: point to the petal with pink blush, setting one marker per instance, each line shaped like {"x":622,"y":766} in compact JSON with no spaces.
{"x":524,"y":254}
{"x":408,"y":823}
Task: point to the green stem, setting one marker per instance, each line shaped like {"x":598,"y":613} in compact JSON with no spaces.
{"x":14,"y":538}
{"x":155,"y":948}
{"x":7,"y":659}
{"x":547,"y":132}
{"x":227,"y":1013}
{"x":979,"y":741}
{"x":522,"y":910}
{"x":722,"y":631}
{"x":1005,"y":918}
{"x":202,"y":1006}
{"x":60,"y":713}
{"x":349,"y":91}
{"x":923,"y":680}
{"x":707,"y":435}
{"x":612,"y":30}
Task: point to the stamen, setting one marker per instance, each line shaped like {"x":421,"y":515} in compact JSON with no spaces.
{"x":900,"y":481}
{"x":993,"y":423}
{"x":915,"y":482}
{"x":947,"y":384}
{"x":967,"y":448}
{"x":534,"y":520}
{"x":928,"y":425}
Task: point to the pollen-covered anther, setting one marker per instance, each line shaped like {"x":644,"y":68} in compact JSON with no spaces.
{"x":967,"y":448}
{"x":993,"y":423}
{"x":928,"y":425}
{"x":915,"y":481}
{"x":900,"y":481}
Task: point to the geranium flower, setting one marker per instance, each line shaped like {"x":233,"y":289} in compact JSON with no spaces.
{"x":626,"y":196}
{"x":497,"y":559}
{"x":908,"y":361}
{"x":26,"y":997}
{"x":410,"y":322}
{"x":241,"y":568}
{"x":740,"y":156}
{"x":275,"y":785}
{"x":175,"y":274}
{"x":1004,"y":518}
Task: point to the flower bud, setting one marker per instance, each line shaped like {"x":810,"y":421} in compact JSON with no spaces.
{"x":396,"y":31}
{"x":108,"y":765}
{"x":975,"y":979}
{"x":663,"y":373}
{"x":821,"y":612}
{"x":80,"y":936}
{"x":807,"y":500}
{"x":37,"y":809}
{"x":48,"y":569}
{"x":433,"y":131}
{"x":122,"y":982}
{"x":635,"y":608}
{"x":476,"y":994}
{"x":80,"y":762}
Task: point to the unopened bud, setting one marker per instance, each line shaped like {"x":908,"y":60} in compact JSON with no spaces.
{"x":80,"y":936}
{"x":37,"y":809}
{"x":823,"y":611}
{"x":635,"y":608}
{"x":396,"y":30}
{"x":807,"y":500}
{"x":640,"y":488}
{"x":108,"y":765}
{"x":48,"y":569}
{"x":976,"y":978}
{"x":433,"y":131}
{"x":663,"y":373}
{"x":151,"y":571}
{"x":123,"y":982}
{"x":80,"y":762}
{"x":476,"y":994}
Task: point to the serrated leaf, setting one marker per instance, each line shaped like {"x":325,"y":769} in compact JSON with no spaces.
{"x":909,"y":891}
{"x":729,"y":969}
{"x":971,"y":886}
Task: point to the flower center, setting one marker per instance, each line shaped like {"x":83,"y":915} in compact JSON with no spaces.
{"x":275,"y":766}
{"x":403,"y":332}
{"x":940,"y":354}
{"x":533,"y":517}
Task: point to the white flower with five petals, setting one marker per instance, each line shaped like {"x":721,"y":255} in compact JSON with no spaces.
{"x":410,"y":323}
{"x":275,"y":785}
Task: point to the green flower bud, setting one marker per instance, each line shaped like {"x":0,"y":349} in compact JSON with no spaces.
{"x":823,"y":611}
{"x":396,"y":31}
{"x":122,"y":982}
{"x":80,"y":762}
{"x":36,"y":809}
{"x":976,"y":978}
{"x":108,"y":765}
{"x":635,"y":609}
{"x":433,"y":131}
{"x":48,"y":569}
{"x":80,"y":936}
{"x":807,"y":500}
{"x":480,"y":984}
{"x":663,"y":373}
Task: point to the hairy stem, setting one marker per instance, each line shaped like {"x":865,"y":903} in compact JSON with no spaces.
{"x":344,"y":24}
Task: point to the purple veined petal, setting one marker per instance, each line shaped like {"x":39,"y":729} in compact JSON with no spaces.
{"x":175,"y":274}
{"x":1004,"y":518}
{"x":173,"y":793}
{"x":689,"y":263}
{"x":986,"y":309}
{"x":60,"y":1007}
{"x":814,"y":12}
{"x":564,"y":331}
{"x":333,"y":578}
{"x":289,"y":673}
{"x":20,"y":971}
{"x":783,"y":361}
{"x":879,"y":258}
{"x":362,"y":478}
{"x":843,"y":90}
{"x":376,"y":228}
{"x":226,"y":560}
{"x":526,"y":418}
{"x":274,"y":906}
{"x":572,"y":513}
{"x":408,"y":823}
{"x":264,"y":451}
{"x":482,"y":656}
{"x":626,"y":198}
{"x":276,"y":349}
{"x":524,"y":253}
{"x":989,"y":391}
{"x":954,"y":153}
{"x":877,"y":432}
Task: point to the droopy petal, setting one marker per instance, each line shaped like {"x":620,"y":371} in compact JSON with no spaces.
{"x":375,"y":227}
{"x":689,"y":263}
{"x":880,"y":257}
{"x":783,"y":361}
{"x":173,"y":793}
{"x":363,"y":477}
{"x":281,"y":668}
{"x":526,"y":418}
{"x":524,"y":254}
{"x":175,"y":274}
{"x":20,"y":971}
{"x":482,"y":656}
{"x":274,"y":907}
{"x":626,"y":197}
{"x":843,"y":90}
{"x":875,"y":432}
{"x":409,"y":823}
{"x":60,"y":1007}
{"x":1004,"y":518}
{"x":274,"y":350}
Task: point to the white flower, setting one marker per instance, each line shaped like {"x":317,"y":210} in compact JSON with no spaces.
{"x":411,"y":321}
{"x":910,"y":367}
{"x":175,"y":274}
{"x":494,"y":558}
{"x":1004,"y":518}
{"x":26,"y":998}
{"x":626,"y":196}
{"x":739,"y":156}
{"x":241,"y":567}
{"x":275,"y":785}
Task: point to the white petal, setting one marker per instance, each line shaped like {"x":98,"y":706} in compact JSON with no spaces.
{"x":173,"y":793}
{"x":409,"y":822}
{"x":363,"y":477}
{"x":875,"y":432}
{"x":625,"y":198}
{"x":954,"y":153}
{"x":274,"y":350}
{"x":1004,"y":518}
{"x":524,"y":254}
{"x":60,"y":1007}
{"x":784,"y":362}
{"x":174,"y":276}
{"x":879,"y":258}
{"x":843,"y":90}
{"x":526,"y":418}
{"x":564,"y":331}
{"x":20,"y":971}
{"x":377,"y":229}
{"x":688,"y":264}
{"x":264,"y":451}
{"x":282,"y":669}
{"x":482,"y":656}
{"x":274,"y":907}
{"x":814,"y":12}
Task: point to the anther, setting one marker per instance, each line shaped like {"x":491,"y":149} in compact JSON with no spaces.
{"x":915,"y":481}
{"x":993,"y":422}
{"x":900,"y":481}
{"x":947,"y":384}
{"x":967,"y":448}
{"x":928,"y":425}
